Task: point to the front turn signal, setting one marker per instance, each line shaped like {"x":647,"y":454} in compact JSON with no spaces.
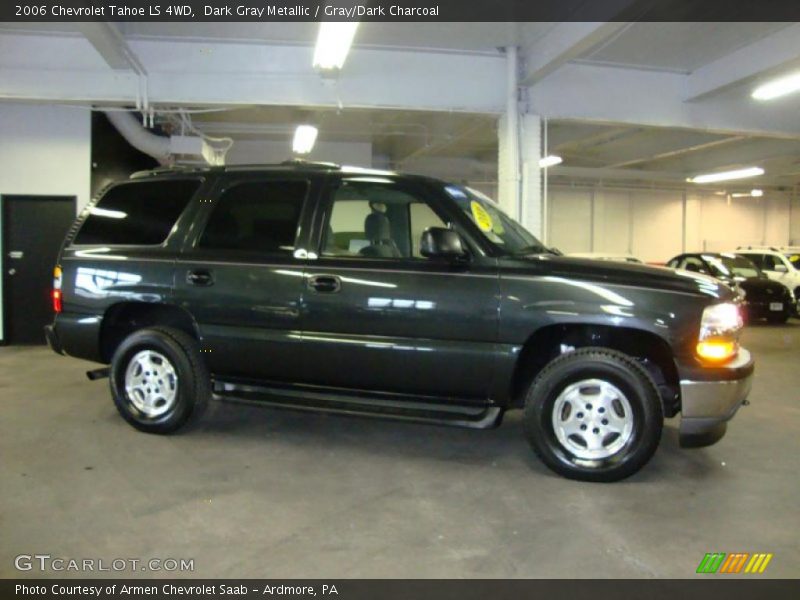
{"x":716,"y":350}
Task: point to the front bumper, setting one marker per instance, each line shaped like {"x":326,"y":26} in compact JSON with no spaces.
{"x":707,"y":405}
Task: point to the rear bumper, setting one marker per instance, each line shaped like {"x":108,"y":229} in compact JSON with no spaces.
{"x":52,"y":339}
{"x":762,"y":310}
{"x":707,"y":405}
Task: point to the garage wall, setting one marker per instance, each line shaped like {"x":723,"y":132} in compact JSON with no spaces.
{"x":246,"y":152}
{"x":44,"y":150}
{"x":794,"y":219}
{"x":650,"y":223}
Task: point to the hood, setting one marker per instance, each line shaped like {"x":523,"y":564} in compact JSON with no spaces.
{"x":759,"y":286}
{"x":618,"y":273}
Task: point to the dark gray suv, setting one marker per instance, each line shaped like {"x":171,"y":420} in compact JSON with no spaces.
{"x":353,"y":291}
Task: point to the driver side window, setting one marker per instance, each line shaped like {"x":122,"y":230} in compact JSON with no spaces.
{"x":376,"y":220}
{"x":690,"y":263}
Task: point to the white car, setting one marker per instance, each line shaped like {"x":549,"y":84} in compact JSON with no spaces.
{"x":781,"y":264}
{"x":628,"y":258}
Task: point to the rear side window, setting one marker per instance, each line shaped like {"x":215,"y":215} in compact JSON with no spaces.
{"x":256,"y":216}
{"x":758,"y":259}
{"x":141,"y":213}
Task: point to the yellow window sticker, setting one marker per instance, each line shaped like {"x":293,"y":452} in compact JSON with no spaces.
{"x":482,"y":218}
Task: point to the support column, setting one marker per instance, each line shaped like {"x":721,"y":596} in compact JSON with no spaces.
{"x":519,"y":151}
{"x":508,"y":155}
{"x":534,"y":211}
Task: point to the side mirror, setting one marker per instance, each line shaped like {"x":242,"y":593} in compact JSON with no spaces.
{"x":438,"y":242}
{"x":781,"y":269}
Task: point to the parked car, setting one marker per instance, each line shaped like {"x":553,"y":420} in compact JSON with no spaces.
{"x":352,"y":291}
{"x":780,"y":264}
{"x":614,"y":257}
{"x":763,"y":298}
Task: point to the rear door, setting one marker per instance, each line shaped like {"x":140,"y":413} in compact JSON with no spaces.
{"x":241,"y":274}
{"x":377,"y":315}
{"x":767,"y":263}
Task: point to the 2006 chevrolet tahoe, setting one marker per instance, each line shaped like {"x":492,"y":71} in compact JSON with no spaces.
{"x":354,"y":291}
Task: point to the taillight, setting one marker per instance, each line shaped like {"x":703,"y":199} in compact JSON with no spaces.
{"x":57,"y":290}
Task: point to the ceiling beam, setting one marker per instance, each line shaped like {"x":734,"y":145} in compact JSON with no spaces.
{"x":198,"y":73}
{"x":563,"y":43}
{"x":768,"y":56}
{"x":110,"y":44}
{"x":627,"y":96}
{"x":678,"y":152}
{"x":602,"y":174}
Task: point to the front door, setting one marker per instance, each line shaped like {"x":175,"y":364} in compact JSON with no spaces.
{"x":242,"y":280}
{"x":379,"y":316}
{"x":33,"y":231}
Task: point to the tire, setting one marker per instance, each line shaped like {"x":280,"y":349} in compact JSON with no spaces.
{"x":169,"y":393}
{"x":596,"y":392}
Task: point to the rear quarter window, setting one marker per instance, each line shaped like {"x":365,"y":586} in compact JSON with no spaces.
{"x":137,"y":213}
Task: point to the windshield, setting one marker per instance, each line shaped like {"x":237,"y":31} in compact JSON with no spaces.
{"x":494,"y":224}
{"x":732,"y":266}
{"x":794,"y":258}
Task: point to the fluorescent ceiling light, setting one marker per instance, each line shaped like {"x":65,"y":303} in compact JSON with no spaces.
{"x":333,"y":44}
{"x":778,"y":87}
{"x":750,"y":194}
{"x":727,"y":175}
{"x":550,"y":161}
{"x":304,"y":138}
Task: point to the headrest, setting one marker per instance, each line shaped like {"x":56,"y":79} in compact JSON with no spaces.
{"x":376,"y":227}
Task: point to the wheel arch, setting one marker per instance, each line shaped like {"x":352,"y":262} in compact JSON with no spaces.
{"x":550,"y":341}
{"x":123,"y":318}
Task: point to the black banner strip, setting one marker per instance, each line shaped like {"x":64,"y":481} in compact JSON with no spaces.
{"x":32,"y":11}
{"x":702,"y":588}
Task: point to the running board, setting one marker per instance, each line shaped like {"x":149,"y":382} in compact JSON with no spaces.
{"x":383,"y":406}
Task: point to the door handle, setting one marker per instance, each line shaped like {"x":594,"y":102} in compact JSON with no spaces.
{"x":200,"y":277}
{"x":328,"y":284}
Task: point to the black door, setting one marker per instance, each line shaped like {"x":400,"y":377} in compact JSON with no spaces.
{"x":242,"y":278}
{"x":379,"y":316}
{"x":33,"y":230}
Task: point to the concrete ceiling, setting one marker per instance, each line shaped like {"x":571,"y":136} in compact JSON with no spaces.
{"x":692,"y":61}
{"x":668,"y":155}
{"x":396,"y":135}
{"x":459,"y":37}
{"x":678,"y":47}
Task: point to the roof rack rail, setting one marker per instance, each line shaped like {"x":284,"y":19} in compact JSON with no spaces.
{"x":299,"y":162}
{"x":168,"y":170}
{"x":748,"y":247}
{"x":305,"y":164}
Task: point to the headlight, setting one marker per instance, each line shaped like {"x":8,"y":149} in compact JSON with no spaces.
{"x":719,"y":332}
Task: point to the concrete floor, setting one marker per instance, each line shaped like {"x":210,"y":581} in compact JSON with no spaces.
{"x":266,"y":493}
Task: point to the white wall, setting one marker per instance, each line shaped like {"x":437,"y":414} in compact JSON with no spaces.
{"x":267,"y":151}
{"x":650,"y":223}
{"x":44,"y":150}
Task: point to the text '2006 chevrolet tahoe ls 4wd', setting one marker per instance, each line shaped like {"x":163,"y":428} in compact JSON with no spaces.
{"x":365,"y":292}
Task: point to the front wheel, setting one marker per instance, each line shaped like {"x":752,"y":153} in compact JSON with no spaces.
{"x":158,"y":380}
{"x":594,"y":414}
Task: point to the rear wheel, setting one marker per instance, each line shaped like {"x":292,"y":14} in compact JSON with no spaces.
{"x":594,"y":415}
{"x":158,"y":380}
